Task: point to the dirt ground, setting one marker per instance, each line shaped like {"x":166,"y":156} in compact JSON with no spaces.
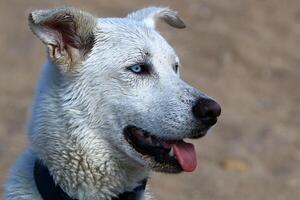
{"x":245,"y":53}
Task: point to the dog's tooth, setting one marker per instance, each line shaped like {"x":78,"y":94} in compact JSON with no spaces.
{"x":171,"y":152}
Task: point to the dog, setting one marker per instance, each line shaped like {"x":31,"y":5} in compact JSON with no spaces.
{"x":110,"y":107}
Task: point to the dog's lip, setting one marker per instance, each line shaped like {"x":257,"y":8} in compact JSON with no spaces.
{"x":134,"y":135}
{"x":148,"y":145}
{"x":175,"y":152}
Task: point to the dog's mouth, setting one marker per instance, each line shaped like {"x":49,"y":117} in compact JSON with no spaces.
{"x":171,"y":156}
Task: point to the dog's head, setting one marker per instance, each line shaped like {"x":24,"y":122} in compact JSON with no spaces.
{"x":121,"y":78}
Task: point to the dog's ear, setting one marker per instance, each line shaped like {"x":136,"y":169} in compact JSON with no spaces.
{"x":150,"y":15}
{"x":67,"y":32}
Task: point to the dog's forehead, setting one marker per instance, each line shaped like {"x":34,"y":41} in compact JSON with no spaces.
{"x":131,"y":34}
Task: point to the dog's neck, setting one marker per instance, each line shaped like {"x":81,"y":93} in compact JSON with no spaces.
{"x":93,"y":174}
{"x":93,"y":169}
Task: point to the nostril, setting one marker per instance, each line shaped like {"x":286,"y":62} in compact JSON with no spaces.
{"x":206,"y":110}
{"x":209,"y":121}
{"x":210,"y":113}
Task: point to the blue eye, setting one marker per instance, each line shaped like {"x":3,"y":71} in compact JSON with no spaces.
{"x":136,"y":69}
{"x":139,"y":69}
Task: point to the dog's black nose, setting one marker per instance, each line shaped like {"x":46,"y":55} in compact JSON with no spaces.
{"x":207,"y":110}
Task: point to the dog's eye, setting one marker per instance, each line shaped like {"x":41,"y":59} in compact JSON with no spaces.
{"x":139,"y":69}
{"x":175,"y":67}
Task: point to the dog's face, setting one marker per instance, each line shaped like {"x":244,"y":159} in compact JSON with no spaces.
{"x":129,"y":78}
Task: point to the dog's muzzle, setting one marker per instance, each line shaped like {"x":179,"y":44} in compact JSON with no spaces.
{"x":174,"y":155}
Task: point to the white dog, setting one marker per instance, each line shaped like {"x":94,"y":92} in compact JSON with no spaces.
{"x":110,"y":107}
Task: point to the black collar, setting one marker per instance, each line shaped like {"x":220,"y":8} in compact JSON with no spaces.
{"x":49,"y":191}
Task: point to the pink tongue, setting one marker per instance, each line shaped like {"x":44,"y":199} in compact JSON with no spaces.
{"x":186,"y":155}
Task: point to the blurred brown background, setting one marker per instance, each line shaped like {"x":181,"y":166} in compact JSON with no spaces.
{"x":245,"y":53}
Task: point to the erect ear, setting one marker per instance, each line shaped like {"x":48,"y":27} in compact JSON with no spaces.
{"x":67,"y":32}
{"x":150,"y":15}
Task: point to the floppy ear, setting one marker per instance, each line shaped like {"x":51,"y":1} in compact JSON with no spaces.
{"x":67,"y":32}
{"x":150,"y":15}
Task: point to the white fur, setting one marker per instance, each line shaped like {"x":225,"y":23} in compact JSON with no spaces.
{"x":77,"y":119}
